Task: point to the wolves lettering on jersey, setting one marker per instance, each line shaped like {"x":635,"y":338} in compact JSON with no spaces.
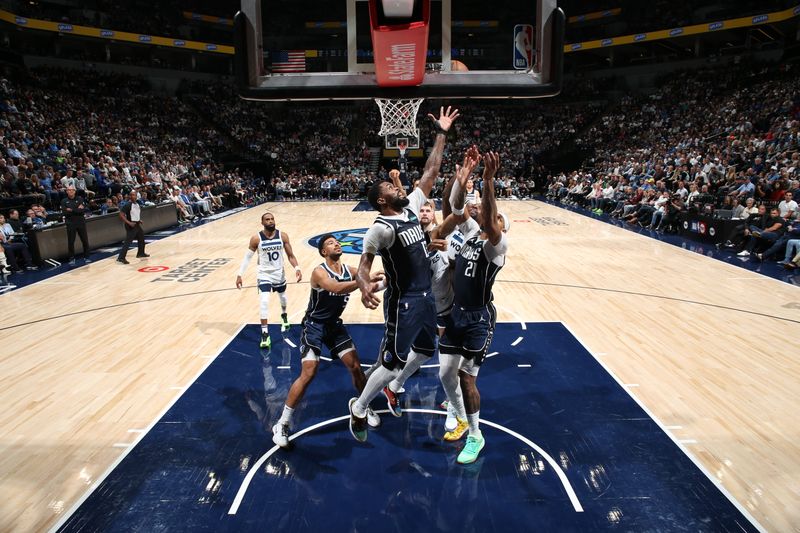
{"x":474,"y":275}
{"x":406,"y":260}
{"x":270,"y":258}
{"x":324,"y":306}
{"x":454,"y":243}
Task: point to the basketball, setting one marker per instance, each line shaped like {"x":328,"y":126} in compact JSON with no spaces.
{"x":458,"y":66}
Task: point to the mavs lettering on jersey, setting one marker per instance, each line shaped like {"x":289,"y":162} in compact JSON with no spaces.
{"x":474,"y":274}
{"x":406,"y":260}
{"x":325,"y":306}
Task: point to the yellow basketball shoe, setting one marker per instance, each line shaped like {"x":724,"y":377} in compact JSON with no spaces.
{"x":461,"y":428}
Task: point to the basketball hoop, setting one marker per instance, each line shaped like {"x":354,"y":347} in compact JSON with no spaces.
{"x":399,"y":117}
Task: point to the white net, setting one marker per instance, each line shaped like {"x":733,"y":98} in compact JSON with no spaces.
{"x":399,"y":117}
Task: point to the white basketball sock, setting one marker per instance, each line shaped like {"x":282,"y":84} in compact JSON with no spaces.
{"x":472,"y":419}
{"x":264,"y":328}
{"x":286,"y":417}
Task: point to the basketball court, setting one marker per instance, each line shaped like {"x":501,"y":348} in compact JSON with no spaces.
{"x":631,"y":383}
{"x":633,"y":388}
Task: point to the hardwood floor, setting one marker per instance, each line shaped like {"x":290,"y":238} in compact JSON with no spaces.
{"x":92,"y":356}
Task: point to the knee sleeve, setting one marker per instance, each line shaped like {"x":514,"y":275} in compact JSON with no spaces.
{"x":263,"y":298}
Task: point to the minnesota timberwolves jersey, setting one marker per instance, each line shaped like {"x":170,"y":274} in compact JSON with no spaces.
{"x":270,"y":259}
{"x":406,"y":260}
{"x":324,"y":306}
{"x":441,"y":275}
{"x":474,"y":274}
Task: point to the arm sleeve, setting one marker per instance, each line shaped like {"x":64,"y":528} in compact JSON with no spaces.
{"x":416,"y":199}
{"x":378,"y":236}
{"x":494,"y":251}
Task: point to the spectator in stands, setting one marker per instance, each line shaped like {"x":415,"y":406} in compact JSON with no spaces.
{"x":788,"y":207}
{"x":768,"y":228}
{"x":14,"y":246}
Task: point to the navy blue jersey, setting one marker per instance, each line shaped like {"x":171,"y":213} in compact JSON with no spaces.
{"x":325,"y":306}
{"x":474,"y":274}
{"x":406,"y":260}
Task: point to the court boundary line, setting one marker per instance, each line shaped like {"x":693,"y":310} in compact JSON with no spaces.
{"x":99,"y":481}
{"x":562,"y":476}
{"x":677,"y":443}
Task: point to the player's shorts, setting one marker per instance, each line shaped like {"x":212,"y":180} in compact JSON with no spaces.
{"x":333,"y":335}
{"x":445,"y":320}
{"x":410,"y":323}
{"x":470,"y":333}
{"x":268,"y":286}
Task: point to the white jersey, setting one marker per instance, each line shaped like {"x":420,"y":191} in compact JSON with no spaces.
{"x":441,"y":274}
{"x":469,"y":197}
{"x":270,"y":259}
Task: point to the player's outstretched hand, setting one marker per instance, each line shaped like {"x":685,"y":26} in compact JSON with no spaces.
{"x":378,"y":276}
{"x":439,"y":245}
{"x":299,"y":275}
{"x":491,"y":162}
{"x":368,"y":297}
{"x":238,"y":282}
{"x":446,"y":118}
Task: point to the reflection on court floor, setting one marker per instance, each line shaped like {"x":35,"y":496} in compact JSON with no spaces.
{"x":567,"y":449}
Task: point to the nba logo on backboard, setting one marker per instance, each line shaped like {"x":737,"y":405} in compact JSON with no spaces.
{"x":523,"y":46}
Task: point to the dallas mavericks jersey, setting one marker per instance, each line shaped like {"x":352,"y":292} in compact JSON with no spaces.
{"x":474,"y":274}
{"x":324,"y":306}
{"x":406,"y":260}
{"x":270,"y":259}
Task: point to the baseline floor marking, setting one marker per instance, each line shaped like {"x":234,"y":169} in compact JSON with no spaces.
{"x":678,"y":443}
{"x":142,"y":434}
{"x":562,"y":476}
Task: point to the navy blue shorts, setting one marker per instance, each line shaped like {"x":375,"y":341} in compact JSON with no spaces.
{"x":470,"y":333}
{"x":266,"y":286}
{"x":410,"y":323}
{"x":445,"y":320}
{"x":333,"y":335}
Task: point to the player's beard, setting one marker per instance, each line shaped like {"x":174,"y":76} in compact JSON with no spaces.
{"x":334,"y":256}
{"x":399,"y":203}
{"x":269,"y":227}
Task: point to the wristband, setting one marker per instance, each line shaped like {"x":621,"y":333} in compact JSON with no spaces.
{"x":457,"y":212}
{"x":297,"y":268}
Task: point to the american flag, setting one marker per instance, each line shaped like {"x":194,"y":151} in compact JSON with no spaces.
{"x":289,"y":61}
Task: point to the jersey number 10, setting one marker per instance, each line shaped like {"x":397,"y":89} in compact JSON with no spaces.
{"x":273,"y":256}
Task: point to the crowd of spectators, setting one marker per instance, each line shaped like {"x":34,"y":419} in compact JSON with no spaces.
{"x":105,"y":135}
{"x":707,"y":141}
{"x":726,"y":141}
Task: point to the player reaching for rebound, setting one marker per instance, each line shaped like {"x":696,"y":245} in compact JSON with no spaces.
{"x":468,"y":336}
{"x":440,"y":258}
{"x":331,"y":285}
{"x":409,"y":307}
{"x":270,"y":243}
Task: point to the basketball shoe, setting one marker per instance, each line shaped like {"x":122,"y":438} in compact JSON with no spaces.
{"x":471,"y":450}
{"x":393,"y":401}
{"x":456,"y":433}
{"x":266,"y":342}
{"x":358,"y":425}
{"x":285,"y":325}
{"x":280,"y":435}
